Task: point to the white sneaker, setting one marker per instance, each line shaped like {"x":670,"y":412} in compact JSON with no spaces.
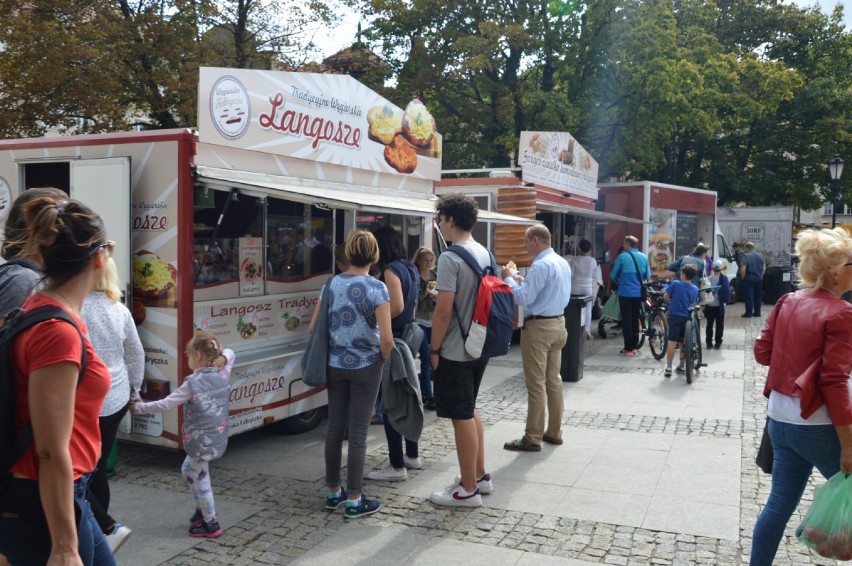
{"x":484,"y":484}
{"x":412,"y":463}
{"x":388,"y":473}
{"x":117,"y":537}
{"x":455,"y":496}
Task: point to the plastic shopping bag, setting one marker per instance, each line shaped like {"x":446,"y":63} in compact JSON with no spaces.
{"x":827,"y":526}
{"x":612,"y":309}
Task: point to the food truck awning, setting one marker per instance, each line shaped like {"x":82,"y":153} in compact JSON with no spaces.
{"x":333,"y":195}
{"x":596,"y":214}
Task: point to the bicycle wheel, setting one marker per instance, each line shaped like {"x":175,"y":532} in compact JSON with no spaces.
{"x":698,"y":348}
{"x":658,"y":330}
{"x":689,"y":350}
{"x":642,"y":332}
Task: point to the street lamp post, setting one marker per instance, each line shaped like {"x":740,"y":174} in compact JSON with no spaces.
{"x":835,"y":170}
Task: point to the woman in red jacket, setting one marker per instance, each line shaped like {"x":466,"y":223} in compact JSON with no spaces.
{"x":808,"y":336}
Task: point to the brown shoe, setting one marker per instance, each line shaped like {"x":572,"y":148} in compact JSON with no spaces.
{"x":521,"y":445}
{"x":552,"y":440}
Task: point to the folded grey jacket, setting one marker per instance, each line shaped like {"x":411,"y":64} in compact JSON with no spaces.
{"x":401,"y":401}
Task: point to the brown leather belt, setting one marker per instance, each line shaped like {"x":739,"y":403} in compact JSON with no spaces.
{"x":541,"y":317}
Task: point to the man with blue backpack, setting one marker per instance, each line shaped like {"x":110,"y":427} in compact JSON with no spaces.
{"x":544,"y":294}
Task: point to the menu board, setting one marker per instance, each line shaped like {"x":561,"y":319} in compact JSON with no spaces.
{"x":686,"y":235}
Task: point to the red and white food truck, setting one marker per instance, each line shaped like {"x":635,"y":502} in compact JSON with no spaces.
{"x":232,"y":228}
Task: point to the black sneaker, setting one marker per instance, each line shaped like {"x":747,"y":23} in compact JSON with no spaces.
{"x":366,"y":507}
{"x":429,"y":403}
{"x":196,"y":518}
{"x":718,"y":346}
{"x":205,"y":530}
{"x":680,"y":369}
{"x":332,"y":502}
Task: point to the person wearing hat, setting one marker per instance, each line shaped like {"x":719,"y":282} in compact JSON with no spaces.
{"x":752,"y":269}
{"x":714,"y":312}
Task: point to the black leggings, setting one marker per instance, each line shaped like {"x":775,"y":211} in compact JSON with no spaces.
{"x":99,"y":487}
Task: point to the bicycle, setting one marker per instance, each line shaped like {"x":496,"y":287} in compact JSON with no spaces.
{"x":692,"y":351}
{"x":657,"y":329}
{"x":653,"y":322}
{"x":692,"y":354}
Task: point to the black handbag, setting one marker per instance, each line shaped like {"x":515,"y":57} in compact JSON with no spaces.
{"x":315,"y":358}
{"x":764,"y":452}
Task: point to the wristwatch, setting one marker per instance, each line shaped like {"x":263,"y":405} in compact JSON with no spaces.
{"x":434,"y":351}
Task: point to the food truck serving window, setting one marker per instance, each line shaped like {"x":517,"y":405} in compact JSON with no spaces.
{"x":261,"y":245}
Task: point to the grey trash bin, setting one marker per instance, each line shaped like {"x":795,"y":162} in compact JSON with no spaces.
{"x":574,"y":351}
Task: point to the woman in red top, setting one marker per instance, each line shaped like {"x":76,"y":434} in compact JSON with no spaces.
{"x":44,"y":517}
{"x":808,"y":336}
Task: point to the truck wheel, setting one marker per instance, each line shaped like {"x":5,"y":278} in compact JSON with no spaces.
{"x":303,"y":422}
{"x":733,"y":298}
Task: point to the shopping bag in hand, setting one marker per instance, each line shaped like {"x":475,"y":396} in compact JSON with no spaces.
{"x":827,"y":526}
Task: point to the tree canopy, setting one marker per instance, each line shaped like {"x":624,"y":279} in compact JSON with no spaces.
{"x":749,"y":98}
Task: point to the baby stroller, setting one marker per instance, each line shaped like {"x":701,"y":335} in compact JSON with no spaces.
{"x":610,"y":321}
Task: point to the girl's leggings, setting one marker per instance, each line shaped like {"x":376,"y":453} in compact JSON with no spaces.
{"x":197,"y":474}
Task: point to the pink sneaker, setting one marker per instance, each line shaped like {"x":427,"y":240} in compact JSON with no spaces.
{"x":630,"y":353}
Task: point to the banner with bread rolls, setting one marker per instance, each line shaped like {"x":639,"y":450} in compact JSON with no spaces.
{"x":319,"y":117}
{"x":558,"y":161}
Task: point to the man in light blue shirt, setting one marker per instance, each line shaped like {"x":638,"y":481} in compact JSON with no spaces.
{"x":544,"y":294}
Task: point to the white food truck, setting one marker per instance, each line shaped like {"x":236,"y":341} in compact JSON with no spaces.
{"x":232,"y":228}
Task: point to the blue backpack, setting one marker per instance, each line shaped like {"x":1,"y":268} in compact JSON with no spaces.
{"x":490,"y":330}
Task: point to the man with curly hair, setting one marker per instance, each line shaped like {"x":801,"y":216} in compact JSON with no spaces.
{"x":456,"y":374}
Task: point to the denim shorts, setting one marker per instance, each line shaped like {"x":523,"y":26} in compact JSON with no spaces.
{"x":456,"y":386}
{"x":677,"y":328}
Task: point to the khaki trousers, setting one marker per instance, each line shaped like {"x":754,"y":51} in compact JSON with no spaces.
{"x":541,"y":348}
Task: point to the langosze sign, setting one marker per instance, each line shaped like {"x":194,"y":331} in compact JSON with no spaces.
{"x":327,"y":118}
{"x":556,"y":160}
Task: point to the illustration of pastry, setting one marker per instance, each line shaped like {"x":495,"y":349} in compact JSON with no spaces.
{"x":250,"y":270}
{"x":291,"y":322}
{"x":401,"y":155}
{"x":246,"y":329}
{"x":152,"y":277}
{"x":418,"y":125}
{"x":661,"y":250}
{"x":385,"y":123}
{"x":539,"y":144}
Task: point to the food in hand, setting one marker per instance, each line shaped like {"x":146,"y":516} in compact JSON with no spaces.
{"x":511,"y":265}
{"x":385,"y":122}
{"x":401,"y":155}
{"x":418,"y":125}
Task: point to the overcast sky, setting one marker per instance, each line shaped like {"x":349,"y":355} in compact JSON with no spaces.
{"x":343,"y":35}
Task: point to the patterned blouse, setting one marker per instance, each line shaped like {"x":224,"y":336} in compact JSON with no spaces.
{"x":353,"y":332}
{"x":114,"y":338}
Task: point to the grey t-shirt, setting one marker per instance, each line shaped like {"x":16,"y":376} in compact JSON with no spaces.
{"x":455,"y":276}
{"x":17,"y":282}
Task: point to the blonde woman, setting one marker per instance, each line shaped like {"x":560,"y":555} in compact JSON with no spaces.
{"x":424,"y":261}
{"x":809,"y":428}
{"x":114,"y":337}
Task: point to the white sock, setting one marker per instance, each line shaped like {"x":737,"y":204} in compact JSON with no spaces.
{"x":353,"y":502}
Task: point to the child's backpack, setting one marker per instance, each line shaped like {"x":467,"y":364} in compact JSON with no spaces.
{"x":490,"y":332}
{"x":12,"y":444}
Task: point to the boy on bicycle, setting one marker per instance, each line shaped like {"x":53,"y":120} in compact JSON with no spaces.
{"x":681,"y":294}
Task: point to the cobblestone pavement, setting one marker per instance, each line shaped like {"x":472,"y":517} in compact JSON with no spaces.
{"x":292,"y":520}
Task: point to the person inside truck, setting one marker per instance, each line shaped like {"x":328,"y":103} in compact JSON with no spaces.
{"x":696,"y":258}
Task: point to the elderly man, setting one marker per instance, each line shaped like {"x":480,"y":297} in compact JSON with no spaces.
{"x":544,"y":294}
{"x":751,"y":280}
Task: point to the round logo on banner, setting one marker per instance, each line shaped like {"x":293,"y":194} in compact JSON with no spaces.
{"x":229,"y":107}
{"x":5,"y":199}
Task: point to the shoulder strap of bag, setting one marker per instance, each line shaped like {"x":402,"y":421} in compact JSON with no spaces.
{"x":22,"y":320}
{"x":638,"y":273}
